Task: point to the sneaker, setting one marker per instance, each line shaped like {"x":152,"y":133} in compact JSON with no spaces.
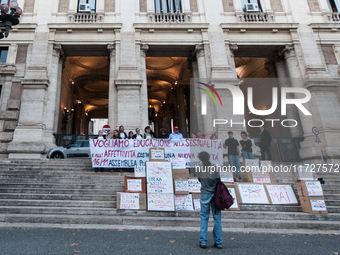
{"x":203,"y":246}
{"x":218,"y":246}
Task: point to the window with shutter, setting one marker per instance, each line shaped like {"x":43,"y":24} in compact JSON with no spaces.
{"x":168,"y":6}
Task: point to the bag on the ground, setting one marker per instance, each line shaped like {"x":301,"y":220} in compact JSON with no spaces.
{"x":223,"y":199}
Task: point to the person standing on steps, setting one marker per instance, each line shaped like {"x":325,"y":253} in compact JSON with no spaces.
{"x":264,"y":142}
{"x":234,"y":154}
{"x":247,"y":151}
{"x":208,"y":182}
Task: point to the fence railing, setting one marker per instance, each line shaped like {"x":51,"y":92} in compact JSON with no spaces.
{"x":257,"y":17}
{"x":86,"y":17}
{"x":170,"y":17}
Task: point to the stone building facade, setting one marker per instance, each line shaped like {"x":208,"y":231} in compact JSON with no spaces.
{"x":131,"y":62}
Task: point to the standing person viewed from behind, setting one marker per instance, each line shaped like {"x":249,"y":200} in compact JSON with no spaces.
{"x":247,"y":151}
{"x":122,"y":134}
{"x":138,"y":134}
{"x":208,"y":182}
{"x":176,"y":134}
{"x":264,"y":142}
{"x":234,"y":154}
{"x":163,"y":134}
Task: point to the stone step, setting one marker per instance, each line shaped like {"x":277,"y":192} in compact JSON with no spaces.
{"x":98,"y":186}
{"x":92,"y":197}
{"x":61,"y":191}
{"x":170,"y":221}
{"x":332,"y":202}
{"x":331,"y":196}
{"x":59,"y":180}
{"x":57,"y":203}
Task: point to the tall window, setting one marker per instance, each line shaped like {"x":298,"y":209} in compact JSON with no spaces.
{"x":244,"y":2}
{"x":3,"y":54}
{"x":334,"y":5}
{"x":92,"y":4}
{"x":166,"y":6}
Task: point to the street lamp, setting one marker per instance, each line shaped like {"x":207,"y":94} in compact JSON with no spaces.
{"x":9,"y":17}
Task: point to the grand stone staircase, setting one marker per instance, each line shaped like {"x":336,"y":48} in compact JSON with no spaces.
{"x":69,"y":193}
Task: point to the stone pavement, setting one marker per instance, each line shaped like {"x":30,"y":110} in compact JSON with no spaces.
{"x":29,"y":241}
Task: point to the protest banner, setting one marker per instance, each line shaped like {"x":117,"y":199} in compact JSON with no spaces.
{"x":129,"y":201}
{"x":160,"y":202}
{"x":128,"y":153}
{"x":159,"y":177}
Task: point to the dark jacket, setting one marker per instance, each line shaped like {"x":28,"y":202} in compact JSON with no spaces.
{"x":265,"y":139}
{"x":135,"y":136}
{"x":166,"y":136}
{"x":126,"y":136}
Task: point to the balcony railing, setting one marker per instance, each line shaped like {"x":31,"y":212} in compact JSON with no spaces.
{"x":86,"y":17}
{"x":256,"y":17}
{"x":170,"y":17}
{"x":335,"y":17}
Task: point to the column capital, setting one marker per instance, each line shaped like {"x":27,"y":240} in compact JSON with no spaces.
{"x":232,"y":48}
{"x":199,"y":50}
{"x":57,"y":50}
{"x":111,"y":48}
{"x":287,"y":51}
{"x":144,"y":49}
{"x":270,"y":65}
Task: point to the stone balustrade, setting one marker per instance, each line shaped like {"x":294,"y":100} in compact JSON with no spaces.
{"x":85,"y":17}
{"x":170,"y":17}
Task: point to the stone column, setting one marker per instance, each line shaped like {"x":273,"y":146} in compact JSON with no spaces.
{"x":284,"y":82}
{"x":51,"y":111}
{"x":112,"y":114}
{"x":181,"y":110}
{"x":144,"y":88}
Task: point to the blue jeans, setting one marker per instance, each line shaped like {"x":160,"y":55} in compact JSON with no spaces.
{"x":206,"y":200}
{"x":247,"y":155}
{"x":234,"y":160}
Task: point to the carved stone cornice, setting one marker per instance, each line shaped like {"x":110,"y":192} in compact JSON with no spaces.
{"x":288,"y":51}
{"x":58,"y":50}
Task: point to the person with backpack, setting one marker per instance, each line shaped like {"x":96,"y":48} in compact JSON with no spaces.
{"x":209,"y":180}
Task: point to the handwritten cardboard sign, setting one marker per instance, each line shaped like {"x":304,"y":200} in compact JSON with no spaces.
{"x":227,"y":177}
{"x":178,"y":163}
{"x":139,"y":171}
{"x":252,"y":165}
{"x":304,"y":173}
{"x":266,"y":165}
{"x":197,"y":204}
{"x":194,"y":186}
{"x":253,"y":194}
{"x":281,"y":194}
{"x":129,"y":201}
{"x":318,"y":205}
{"x":233,"y":194}
{"x":157,"y":154}
{"x":161,"y":202}
{"x":134,"y":184}
{"x":181,"y":185}
{"x":314,"y":189}
{"x":159,"y":177}
{"x":184,"y":202}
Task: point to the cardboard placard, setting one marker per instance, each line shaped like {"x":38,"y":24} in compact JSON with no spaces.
{"x":281,"y":194}
{"x":227,"y":177}
{"x":161,"y":202}
{"x":315,"y":205}
{"x":251,"y":193}
{"x":233,"y":190}
{"x":156,"y":154}
{"x":139,"y":171}
{"x":309,"y":188}
{"x":134,"y":184}
{"x":180,"y":173}
{"x":194,"y":186}
{"x":178,"y":163}
{"x":131,"y":201}
{"x":266,"y":165}
{"x":304,"y":173}
{"x":181,"y":186}
{"x":184,"y":203}
{"x":251,"y":165}
{"x":197,"y":204}
{"x":159,"y":177}
{"x":314,"y":189}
